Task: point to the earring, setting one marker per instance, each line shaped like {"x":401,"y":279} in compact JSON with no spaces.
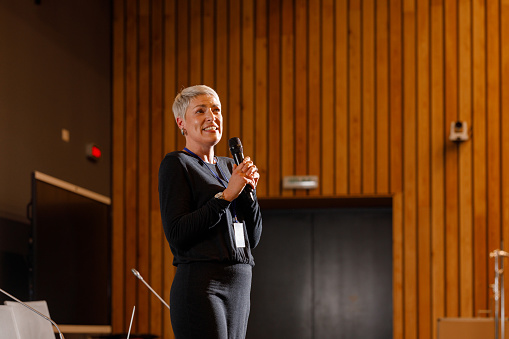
{"x":183,"y":131}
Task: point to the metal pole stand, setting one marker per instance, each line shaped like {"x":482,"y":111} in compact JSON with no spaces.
{"x":498,"y":292}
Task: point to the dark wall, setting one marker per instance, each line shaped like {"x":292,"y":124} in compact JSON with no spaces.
{"x":14,"y":261}
{"x":323,"y":273}
{"x":55,"y":73}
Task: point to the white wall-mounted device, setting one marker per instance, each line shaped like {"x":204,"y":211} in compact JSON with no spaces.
{"x":303,"y":182}
{"x":459,"y":131}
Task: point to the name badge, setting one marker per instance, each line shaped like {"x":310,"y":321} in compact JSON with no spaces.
{"x":239,"y":234}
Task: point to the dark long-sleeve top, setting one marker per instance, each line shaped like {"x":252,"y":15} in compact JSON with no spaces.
{"x":198,"y":226}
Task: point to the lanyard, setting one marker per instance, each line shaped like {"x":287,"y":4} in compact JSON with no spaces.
{"x":215,"y":175}
{"x":210,"y":169}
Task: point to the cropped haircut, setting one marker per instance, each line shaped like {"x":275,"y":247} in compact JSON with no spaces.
{"x":185,"y":96}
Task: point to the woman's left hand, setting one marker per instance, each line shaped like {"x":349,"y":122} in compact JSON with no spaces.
{"x":246,"y":173}
{"x":251,"y":172}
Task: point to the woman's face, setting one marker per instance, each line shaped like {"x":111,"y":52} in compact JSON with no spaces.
{"x":203,"y":121}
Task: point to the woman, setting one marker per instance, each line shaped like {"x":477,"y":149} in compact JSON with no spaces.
{"x":211,"y":223}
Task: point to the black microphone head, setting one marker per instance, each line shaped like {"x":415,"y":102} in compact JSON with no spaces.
{"x":236,"y":150}
{"x":235,"y":145}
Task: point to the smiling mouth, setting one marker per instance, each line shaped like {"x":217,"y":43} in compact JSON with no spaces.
{"x":210,"y":128}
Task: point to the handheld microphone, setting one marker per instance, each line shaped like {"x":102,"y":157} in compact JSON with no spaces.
{"x":238,"y":156}
{"x":237,"y":150}
{"x":138,"y":275}
{"x":35,"y":311}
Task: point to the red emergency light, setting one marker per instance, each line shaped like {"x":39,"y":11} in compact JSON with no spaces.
{"x":93,"y":152}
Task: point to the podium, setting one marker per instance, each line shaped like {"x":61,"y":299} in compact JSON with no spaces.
{"x":467,"y":328}
{"x":124,"y":336}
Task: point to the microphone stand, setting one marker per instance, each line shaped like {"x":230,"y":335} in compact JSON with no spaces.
{"x":138,"y":275}
{"x":498,"y":292}
{"x":34,"y":310}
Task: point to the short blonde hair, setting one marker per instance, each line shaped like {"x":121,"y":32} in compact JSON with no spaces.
{"x":185,"y":96}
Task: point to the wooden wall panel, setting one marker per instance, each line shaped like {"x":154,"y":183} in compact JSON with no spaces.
{"x":195,"y":32}
{"x":118,"y":189}
{"x":156,"y":240}
{"x":341,"y":98}
{"x":314,"y":93}
{"x":410,"y":290}
{"x":130,"y":160}
{"x":208,"y":43}
{"x":382,"y":97}
{"x":301,"y":90}
{"x":143,"y":181}
{"x":169,"y":138}
{"x":368,"y":136}
{"x":360,"y":93}
{"x":425,"y":322}
{"x":355,"y":98}
{"x":465,"y":158}
{"x":274,"y":99}
{"x":437,"y":158}
{"x":396,"y":162}
{"x":232,"y":113}
{"x":504,"y":125}
{"x":248,"y":83}
{"x":261,"y":94}
{"x":479,"y":155}
{"x":327,"y":173}
{"x":451,"y":160}
{"x":287,"y":134}
{"x":437,"y":165}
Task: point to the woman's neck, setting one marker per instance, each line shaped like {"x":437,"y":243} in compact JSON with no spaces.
{"x":204,"y":154}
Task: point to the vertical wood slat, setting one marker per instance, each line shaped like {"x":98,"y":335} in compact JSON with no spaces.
{"x":409,"y":170}
{"x":437,"y":164}
{"x":208,"y":43}
{"x":396,"y":166}
{"x":131,"y":168}
{"x":274,"y":97}
{"x":504,"y":126}
{"x":170,"y":83}
{"x":327,"y":98}
{"x":355,"y":99}
{"x":222,"y":60}
{"x":395,"y":95}
{"x":156,"y":267}
{"x":493,"y":130}
{"x":247,"y":81}
{"x":232,"y":120}
{"x":386,"y":137}
{"x":314,"y":92}
{"x":424,"y":321}
{"x":382,"y":97}
{"x":287,"y":92}
{"x":341,"y":98}
{"x":451,"y":160}
{"x":117,"y":295}
{"x":261,"y":95}
{"x":480,"y":259}
{"x":301,"y":90}
{"x":143,"y":158}
{"x":465,"y":158}
{"x":183,"y":41}
{"x":196,"y":50}
{"x":169,"y":140}
{"x":368,"y":135}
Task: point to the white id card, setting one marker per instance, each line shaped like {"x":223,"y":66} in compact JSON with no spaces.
{"x":239,"y":234}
